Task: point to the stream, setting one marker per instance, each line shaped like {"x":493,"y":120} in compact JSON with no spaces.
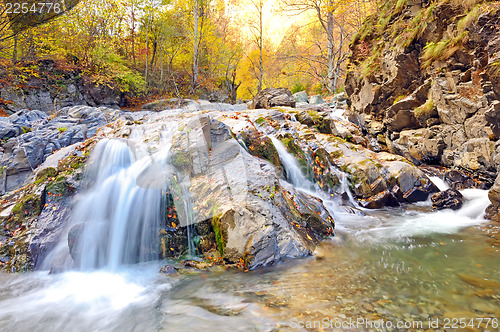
{"x":388,"y":273}
{"x":411,"y":266}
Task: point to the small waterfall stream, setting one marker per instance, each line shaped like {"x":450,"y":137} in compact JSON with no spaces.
{"x":121,"y":218}
{"x":410,"y":223}
{"x":292,"y":168}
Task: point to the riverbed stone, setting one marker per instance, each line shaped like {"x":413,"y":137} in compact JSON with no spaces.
{"x":273,"y":97}
{"x":447,"y":199}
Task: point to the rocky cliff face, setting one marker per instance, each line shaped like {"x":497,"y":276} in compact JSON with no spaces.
{"x":424,"y":80}
{"x":49,"y":85}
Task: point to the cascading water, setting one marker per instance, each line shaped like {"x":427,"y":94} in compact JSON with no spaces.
{"x":120,"y":218}
{"x":292,"y":168}
{"x":410,"y":223}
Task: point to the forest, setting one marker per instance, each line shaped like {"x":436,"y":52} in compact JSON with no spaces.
{"x":226,"y":50}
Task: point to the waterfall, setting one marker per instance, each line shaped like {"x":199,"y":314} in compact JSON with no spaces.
{"x":346,"y":215}
{"x":296,"y":177}
{"x":376,"y":225}
{"x":292,"y":168}
{"x":439,"y":183}
{"x":120,"y":217}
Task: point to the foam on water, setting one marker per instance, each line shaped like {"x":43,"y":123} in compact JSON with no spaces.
{"x":377,"y":226}
{"x":447,"y":221}
{"x":79,"y":300}
{"x":439,"y":183}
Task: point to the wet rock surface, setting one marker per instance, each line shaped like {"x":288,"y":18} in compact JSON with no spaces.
{"x":30,"y":137}
{"x":448,"y":199}
{"x":272,"y":97}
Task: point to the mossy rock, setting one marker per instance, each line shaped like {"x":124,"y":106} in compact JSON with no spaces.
{"x":260,"y":120}
{"x":44,"y":174}
{"x":59,"y":188}
{"x":292,"y":146}
{"x":29,"y":206}
{"x":20,"y":258}
{"x":220,"y":225}
{"x":174,"y":243}
{"x":181,"y":160}
{"x":322,"y":122}
{"x":261,"y":146}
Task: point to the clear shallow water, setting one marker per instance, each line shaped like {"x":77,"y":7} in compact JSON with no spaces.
{"x":400,"y":266}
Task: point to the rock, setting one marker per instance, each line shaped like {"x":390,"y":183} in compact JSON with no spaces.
{"x":40,"y":93}
{"x":476,"y":155}
{"x":301,"y":97}
{"x":33,"y":138}
{"x":74,"y":236}
{"x":433,"y":111}
{"x":403,"y":119}
{"x":380,"y":200}
{"x":169,"y":270}
{"x":459,"y":180}
{"x":492,"y":115}
{"x":253,"y":212}
{"x":492,"y":213}
{"x":448,"y":199}
{"x":173,"y":103}
{"x":342,"y":96}
{"x":376,"y":178}
{"x":494,"y":197}
{"x":421,"y":145}
{"x":316,"y":99}
{"x":305,"y":118}
{"x":272,"y":97}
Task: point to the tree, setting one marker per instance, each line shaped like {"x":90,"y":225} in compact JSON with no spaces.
{"x":337,"y":24}
{"x":16,"y":17}
{"x":258,"y":38}
{"x":200,"y":12}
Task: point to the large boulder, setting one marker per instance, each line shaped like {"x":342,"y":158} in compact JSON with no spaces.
{"x":254,"y":217}
{"x":301,"y":97}
{"x":447,"y":199}
{"x":272,"y":97}
{"x":316,"y":99}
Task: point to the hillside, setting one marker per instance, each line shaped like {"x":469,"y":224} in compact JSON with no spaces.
{"x":424,"y":80}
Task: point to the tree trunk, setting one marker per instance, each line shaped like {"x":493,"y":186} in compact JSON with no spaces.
{"x":14,"y":51}
{"x":161,"y":64}
{"x":261,"y":63}
{"x":151,"y":63}
{"x":147,"y":51}
{"x":330,"y":77}
{"x":194,"y":81}
{"x":133,"y":33}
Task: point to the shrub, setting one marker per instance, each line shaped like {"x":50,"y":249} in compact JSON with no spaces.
{"x":297,"y":87}
{"x":109,"y":68}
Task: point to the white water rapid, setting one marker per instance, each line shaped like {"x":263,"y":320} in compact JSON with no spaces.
{"x":377,"y":225}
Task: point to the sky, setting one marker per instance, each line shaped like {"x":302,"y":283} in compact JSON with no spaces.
{"x":276,"y":21}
